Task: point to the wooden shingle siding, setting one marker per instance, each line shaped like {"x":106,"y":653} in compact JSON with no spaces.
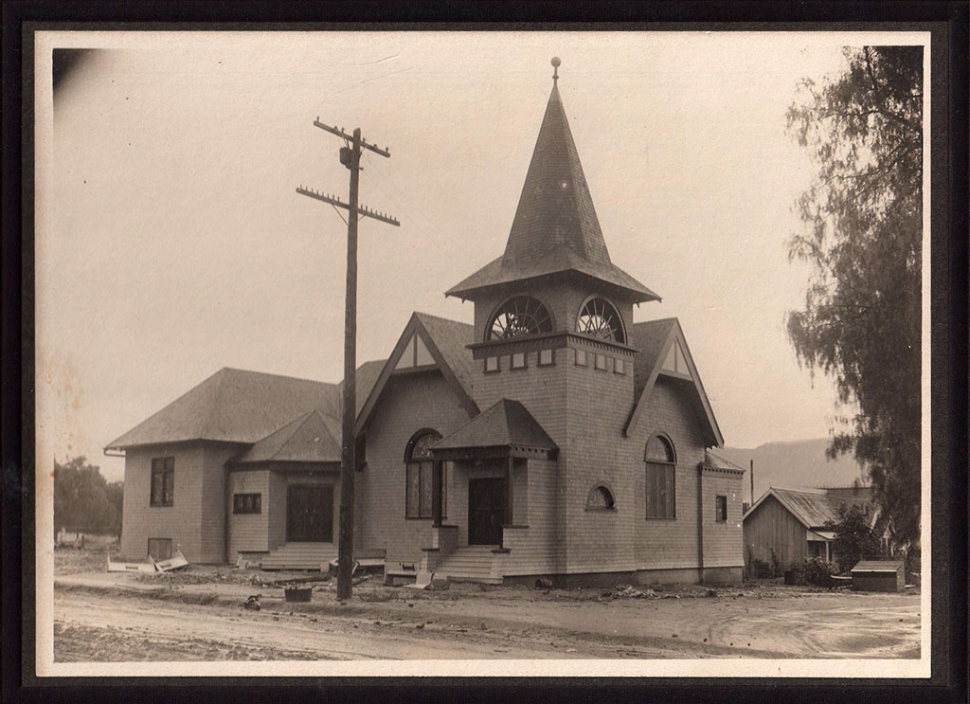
{"x":213,"y":519}
{"x":771,"y":532}
{"x":598,"y":403}
{"x":723,"y":541}
{"x":249,"y":532}
{"x":534,"y":550}
{"x":180,"y":522}
{"x":410,"y":403}
{"x":669,"y":544}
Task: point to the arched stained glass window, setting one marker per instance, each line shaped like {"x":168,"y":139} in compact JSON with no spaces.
{"x":661,"y":473}
{"x":599,"y":318}
{"x":419,"y":479}
{"x":522,"y":315}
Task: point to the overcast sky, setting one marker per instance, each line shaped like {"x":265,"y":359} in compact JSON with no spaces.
{"x":171,"y":241}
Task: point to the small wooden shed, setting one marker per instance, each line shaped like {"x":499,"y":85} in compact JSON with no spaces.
{"x":878,"y":576}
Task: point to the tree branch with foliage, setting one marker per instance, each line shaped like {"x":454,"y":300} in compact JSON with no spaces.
{"x":84,"y":500}
{"x":863,"y":230}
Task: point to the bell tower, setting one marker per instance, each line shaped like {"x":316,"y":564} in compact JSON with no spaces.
{"x":555,"y":285}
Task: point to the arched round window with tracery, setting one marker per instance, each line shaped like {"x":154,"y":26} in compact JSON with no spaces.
{"x":522,"y":315}
{"x":599,"y":318}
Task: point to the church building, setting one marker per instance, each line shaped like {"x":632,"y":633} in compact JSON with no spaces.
{"x":554,"y":437}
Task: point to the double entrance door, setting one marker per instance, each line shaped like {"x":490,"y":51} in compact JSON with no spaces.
{"x":309,"y":514}
{"x":486,"y":511}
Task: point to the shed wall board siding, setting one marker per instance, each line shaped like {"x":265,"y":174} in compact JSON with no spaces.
{"x":182,"y":521}
{"x":409,"y":403}
{"x":248,"y":532}
{"x":772,"y":527}
{"x":668,"y":544}
{"x":723,"y":541}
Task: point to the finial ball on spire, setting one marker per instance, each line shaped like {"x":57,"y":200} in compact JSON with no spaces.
{"x":556,"y":62}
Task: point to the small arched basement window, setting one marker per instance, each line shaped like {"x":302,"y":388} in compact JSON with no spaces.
{"x":661,"y":464}
{"x":600,"y":499}
{"x":522,"y":315}
{"x":419,"y":475}
{"x":598,"y":318}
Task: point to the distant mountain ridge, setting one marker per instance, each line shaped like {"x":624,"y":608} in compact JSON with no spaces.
{"x":798,"y":464}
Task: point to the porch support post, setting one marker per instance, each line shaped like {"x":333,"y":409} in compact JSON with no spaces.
{"x":436,"y":486}
{"x":509,"y":518}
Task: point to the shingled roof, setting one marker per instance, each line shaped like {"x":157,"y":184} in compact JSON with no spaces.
{"x":506,"y":425}
{"x":233,"y":405}
{"x":649,"y":338}
{"x":555,"y":228}
{"x":313,"y":437}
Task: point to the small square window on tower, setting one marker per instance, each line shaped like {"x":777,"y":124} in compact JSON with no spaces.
{"x":601,"y":361}
{"x":546,"y":358}
{"x":581,"y":358}
{"x":619,"y":367}
{"x":518,"y":360}
{"x":491,"y":365}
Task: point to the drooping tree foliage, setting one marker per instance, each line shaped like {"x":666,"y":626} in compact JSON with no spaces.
{"x":855,"y":538}
{"x":863,"y":229}
{"x":84,"y":500}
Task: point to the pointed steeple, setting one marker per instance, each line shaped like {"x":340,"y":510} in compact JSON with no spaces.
{"x":555,"y":228}
{"x":555,"y":208}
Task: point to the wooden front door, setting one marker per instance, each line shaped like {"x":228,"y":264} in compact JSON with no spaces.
{"x":486,"y":511}
{"x":309,"y":514}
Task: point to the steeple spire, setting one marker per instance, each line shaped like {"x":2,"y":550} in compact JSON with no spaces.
{"x":555,"y":228}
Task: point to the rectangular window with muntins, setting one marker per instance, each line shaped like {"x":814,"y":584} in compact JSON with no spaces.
{"x":546,"y":358}
{"x":163,"y":481}
{"x":720,"y":509}
{"x":247,"y":503}
{"x":518,"y":360}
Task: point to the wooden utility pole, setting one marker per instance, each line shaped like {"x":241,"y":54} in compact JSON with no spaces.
{"x":349,"y":157}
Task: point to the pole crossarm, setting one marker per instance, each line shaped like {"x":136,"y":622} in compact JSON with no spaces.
{"x":363,"y":142}
{"x":361,"y":210}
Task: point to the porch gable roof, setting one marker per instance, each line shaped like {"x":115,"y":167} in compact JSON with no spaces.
{"x":506,"y":426}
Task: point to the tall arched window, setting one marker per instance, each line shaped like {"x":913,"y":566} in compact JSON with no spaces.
{"x":599,"y":318}
{"x":522,"y":315}
{"x":661,"y":464}
{"x":419,"y":475}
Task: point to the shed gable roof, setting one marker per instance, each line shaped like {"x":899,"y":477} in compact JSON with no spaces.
{"x":813,"y":508}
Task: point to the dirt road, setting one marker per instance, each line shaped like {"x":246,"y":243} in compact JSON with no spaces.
{"x":477,"y":624}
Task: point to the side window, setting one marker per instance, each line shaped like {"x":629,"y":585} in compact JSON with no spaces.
{"x":720,"y":509}
{"x":160,"y":548}
{"x":600,"y":499}
{"x":661,"y":464}
{"x":163,"y":481}
{"x":419,"y":476}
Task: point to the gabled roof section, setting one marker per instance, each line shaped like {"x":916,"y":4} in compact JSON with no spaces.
{"x":813,"y":508}
{"x":713,"y":461}
{"x":655,"y":339}
{"x":555,"y":228}
{"x":506,"y":425}
{"x":233,"y":405}
{"x":313,"y":437}
{"x":445,"y":341}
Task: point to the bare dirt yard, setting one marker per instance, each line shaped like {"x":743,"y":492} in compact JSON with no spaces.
{"x":197,"y":614}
